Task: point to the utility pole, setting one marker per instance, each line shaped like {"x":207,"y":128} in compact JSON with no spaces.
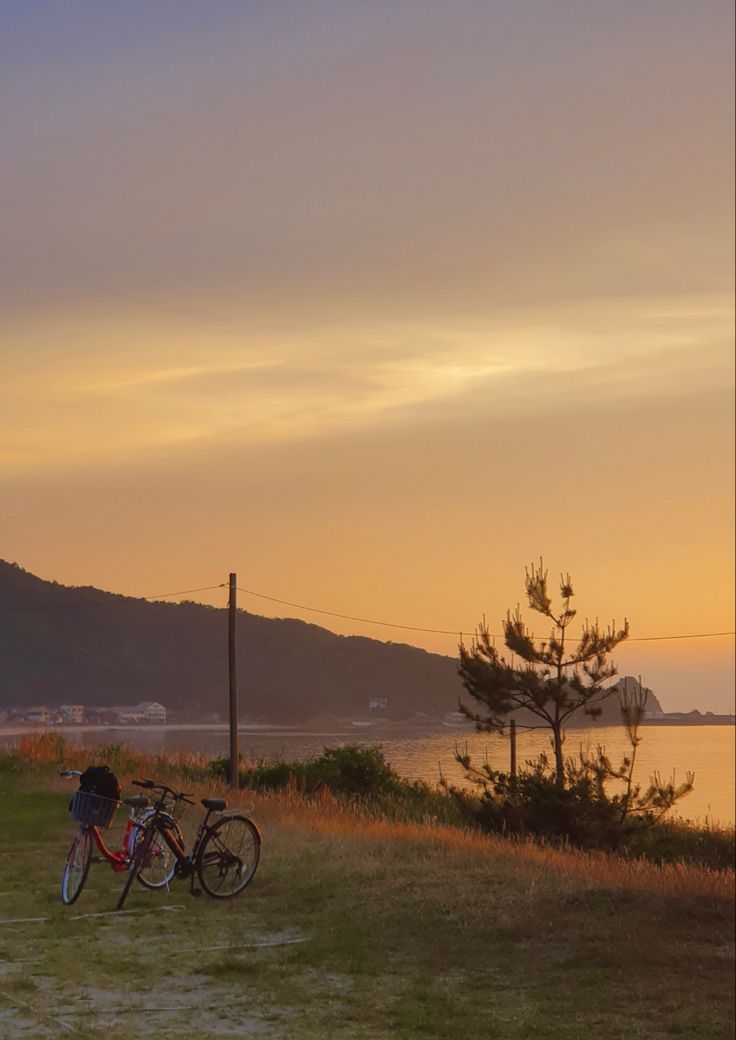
{"x":233,"y":667}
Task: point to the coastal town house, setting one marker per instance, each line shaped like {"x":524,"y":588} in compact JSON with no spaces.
{"x":146,"y":711}
{"x":152,"y":711}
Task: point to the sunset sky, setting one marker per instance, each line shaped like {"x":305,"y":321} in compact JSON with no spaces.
{"x":374,"y":303}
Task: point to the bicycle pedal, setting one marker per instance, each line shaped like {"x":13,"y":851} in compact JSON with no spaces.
{"x":95,"y":859}
{"x":196,"y":892}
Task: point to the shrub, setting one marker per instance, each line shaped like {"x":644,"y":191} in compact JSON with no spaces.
{"x":351,"y":770}
{"x":533,"y":803}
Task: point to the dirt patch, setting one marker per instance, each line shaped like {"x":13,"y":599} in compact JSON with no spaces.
{"x":207,"y":1008}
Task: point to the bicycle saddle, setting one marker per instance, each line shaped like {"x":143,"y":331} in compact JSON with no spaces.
{"x":136,"y":801}
{"x":214,"y":804}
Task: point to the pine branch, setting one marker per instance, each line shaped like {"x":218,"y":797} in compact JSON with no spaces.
{"x":546,"y":683}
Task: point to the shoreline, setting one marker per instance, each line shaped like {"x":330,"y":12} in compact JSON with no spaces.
{"x":266,"y":729}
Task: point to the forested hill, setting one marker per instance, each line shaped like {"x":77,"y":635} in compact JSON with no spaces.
{"x":62,"y":644}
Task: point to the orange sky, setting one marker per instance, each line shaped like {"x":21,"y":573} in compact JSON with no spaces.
{"x":375,"y":304}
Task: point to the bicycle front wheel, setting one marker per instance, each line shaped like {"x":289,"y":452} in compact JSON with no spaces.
{"x":77,"y":868}
{"x":228,"y":858}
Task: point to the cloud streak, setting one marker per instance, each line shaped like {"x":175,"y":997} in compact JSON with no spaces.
{"x":320,"y":386}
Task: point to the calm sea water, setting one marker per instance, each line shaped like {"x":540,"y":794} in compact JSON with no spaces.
{"x":708,"y":751}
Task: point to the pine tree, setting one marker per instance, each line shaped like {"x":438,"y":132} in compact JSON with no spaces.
{"x":555,"y":679}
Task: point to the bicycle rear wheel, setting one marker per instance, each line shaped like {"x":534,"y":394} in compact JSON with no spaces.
{"x":228,"y":857}
{"x":76,"y":868}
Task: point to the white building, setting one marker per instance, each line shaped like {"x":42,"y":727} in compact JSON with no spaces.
{"x":151,"y":711}
{"x":146,"y":711}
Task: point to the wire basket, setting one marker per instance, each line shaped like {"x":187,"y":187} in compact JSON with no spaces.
{"x":179,"y":810}
{"x":92,"y":809}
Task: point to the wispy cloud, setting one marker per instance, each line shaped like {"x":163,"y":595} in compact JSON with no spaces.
{"x":152,"y":377}
{"x":223,"y":387}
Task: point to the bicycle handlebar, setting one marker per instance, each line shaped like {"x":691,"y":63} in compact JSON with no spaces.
{"x":152,"y":784}
{"x":67,"y":773}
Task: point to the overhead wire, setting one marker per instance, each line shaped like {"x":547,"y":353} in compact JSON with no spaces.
{"x":184,"y":592}
{"x":441,"y":631}
{"x":110,"y":597}
{"x":116,"y":597}
{"x":349,"y":617}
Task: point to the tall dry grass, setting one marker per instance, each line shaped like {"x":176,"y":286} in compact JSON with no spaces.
{"x":45,"y":751}
{"x":325,"y":814}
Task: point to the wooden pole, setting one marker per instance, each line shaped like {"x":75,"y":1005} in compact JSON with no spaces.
{"x":512,"y":736}
{"x":233,"y":669}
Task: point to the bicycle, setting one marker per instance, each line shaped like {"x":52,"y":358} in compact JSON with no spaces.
{"x":224,"y":855}
{"x":92,"y":812}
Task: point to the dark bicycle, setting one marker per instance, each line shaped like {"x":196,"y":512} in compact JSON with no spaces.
{"x":225,"y":853}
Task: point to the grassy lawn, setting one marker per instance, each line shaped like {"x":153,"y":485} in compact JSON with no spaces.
{"x":364,"y":930}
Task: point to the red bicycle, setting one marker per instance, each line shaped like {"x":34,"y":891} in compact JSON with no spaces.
{"x":92,"y":812}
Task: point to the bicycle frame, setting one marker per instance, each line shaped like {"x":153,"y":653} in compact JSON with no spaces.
{"x":118,"y":860}
{"x":163,"y":823}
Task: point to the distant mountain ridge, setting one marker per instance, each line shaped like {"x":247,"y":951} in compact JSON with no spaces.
{"x":68,"y":644}
{"x":61,"y":644}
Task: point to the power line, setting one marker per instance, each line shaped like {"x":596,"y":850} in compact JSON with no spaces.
{"x":112,"y":597}
{"x":350,"y":617}
{"x":691,"y":635}
{"x":184,"y":592}
{"x":441,"y":631}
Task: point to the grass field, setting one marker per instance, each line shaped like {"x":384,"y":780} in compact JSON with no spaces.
{"x":363,"y":929}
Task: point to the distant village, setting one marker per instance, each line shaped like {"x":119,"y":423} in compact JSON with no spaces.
{"x":147,"y":712}
{"x":153,"y":713}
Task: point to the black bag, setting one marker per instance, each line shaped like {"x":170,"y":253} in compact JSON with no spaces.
{"x":100,"y":780}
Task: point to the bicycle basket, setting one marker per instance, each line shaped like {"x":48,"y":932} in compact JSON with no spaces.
{"x":178,"y":810}
{"x":92,"y":809}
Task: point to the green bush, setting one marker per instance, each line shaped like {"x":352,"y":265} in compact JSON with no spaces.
{"x":673,"y":841}
{"x":351,"y":770}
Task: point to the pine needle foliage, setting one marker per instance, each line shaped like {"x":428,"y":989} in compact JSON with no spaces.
{"x":555,"y":677}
